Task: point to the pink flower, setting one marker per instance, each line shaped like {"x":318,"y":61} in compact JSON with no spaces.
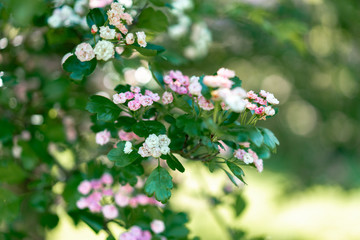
{"x":135,"y":89}
{"x":84,"y":187}
{"x":154,"y":96}
{"x":127,"y":136}
{"x":106,"y":178}
{"x":146,"y":235}
{"x":119,"y":98}
{"x":96,"y":184}
{"x":133,"y":202}
{"x":129,"y":95}
{"x":121,"y":200}
{"x":177,"y":82}
{"x":217,"y":81}
{"x":102,"y":137}
{"x":128,"y":189}
{"x":157,"y":226}
{"x":107,"y":192}
{"x":94,"y":207}
{"x":82,"y":203}
{"x":223,"y":148}
{"x":251,"y":106}
{"x":226,"y":73}
{"x":205,"y":104}
{"x":136,"y":231}
{"x":251,"y":95}
{"x":134,"y":105}
{"x":260,"y":101}
{"x":263,"y":93}
{"x":259,"y":165}
{"x":259,"y":110}
{"x":110,"y":211}
{"x":127,"y":17}
{"x":99,"y":3}
{"x":146,"y":101}
{"x":142,"y":199}
{"x":167,"y":98}
{"x":239,"y":154}
{"x":84,"y":52}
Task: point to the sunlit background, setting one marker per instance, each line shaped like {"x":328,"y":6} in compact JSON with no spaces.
{"x":307,"y":52}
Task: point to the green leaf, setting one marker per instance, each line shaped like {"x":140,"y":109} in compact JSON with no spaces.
{"x":150,"y":50}
{"x":153,"y":20}
{"x":269,"y":138}
{"x":231,"y":118}
{"x":49,"y":220}
{"x":96,"y":16}
{"x":205,"y":90}
{"x":255,"y":136}
{"x":159,"y":183}
{"x":120,"y":158}
{"x":125,"y":123}
{"x":183,"y":103}
{"x":237,"y":82}
{"x":239,"y":205}
{"x":189,"y":124}
{"x":12,"y":173}
{"x":236,"y":170}
{"x":173,"y":162}
{"x":105,"y":109}
{"x":159,"y":3}
{"x":231,"y":177}
{"x":9,"y":205}
{"x":95,"y":222}
{"x":77,"y":68}
{"x":6,"y":130}
{"x":145,"y":128}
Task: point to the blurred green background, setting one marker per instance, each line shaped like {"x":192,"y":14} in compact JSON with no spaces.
{"x":307,"y":52}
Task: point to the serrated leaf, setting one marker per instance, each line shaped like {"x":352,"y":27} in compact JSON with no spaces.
{"x":255,"y":136}
{"x":105,"y":109}
{"x":173,"y":162}
{"x":145,"y":128}
{"x":269,"y":138}
{"x":159,"y":183}
{"x":120,"y":158}
{"x":236,"y":170}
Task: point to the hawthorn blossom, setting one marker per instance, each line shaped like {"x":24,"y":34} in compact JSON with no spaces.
{"x":157,"y":226}
{"x":128,"y":147}
{"x":269,"y":111}
{"x":239,"y":154}
{"x":84,"y":187}
{"x":205,"y":104}
{"x":134,"y":105}
{"x":130,"y":38}
{"x":167,"y":98}
{"x":141,"y":39}
{"x":177,"y":82}
{"x":99,"y":3}
{"x":217,"y":81}
{"x":107,"y":178}
{"x":194,"y":86}
{"x":84,"y":52}
{"x":94,"y":29}
{"x":248,"y":158}
{"x":110,"y":211}
{"x":104,"y":50}
{"x":136,"y":233}
{"x":271,"y":99}
{"x":127,"y":136}
{"x":251,"y":95}
{"x":103,"y":137}
{"x":107,"y":33}
{"x":226,"y":73}
{"x":155,"y":146}
{"x":119,"y":98}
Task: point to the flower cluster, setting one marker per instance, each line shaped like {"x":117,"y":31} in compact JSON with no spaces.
{"x":100,"y":197}
{"x":155,"y":146}
{"x":66,"y":16}
{"x":249,"y":157}
{"x":136,"y":233}
{"x":177,"y":82}
{"x":261,"y":104}
{"x":136,"y":97}
{"x":128,"y":136}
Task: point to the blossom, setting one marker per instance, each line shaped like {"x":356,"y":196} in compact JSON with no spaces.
{"x":82,"y":203}
{"x":235,"y":102}
{"x":135,"y":89}
{"x":122,"y":200}
{"x":239,"y":154}
{"x":127,"y":136}
{"x":128,"y":147}
{"x":205,"y":104}
{"x":84,"y":187}
{"x":259,"y":110}
{"x":99,"y":3}
{"x":141,"y":39}
{"x":155,"y":146}
{"x":269,"y":111}
{"x":167,"y":98}
{"x":259,"y":165}
{"x":271,"y":99}
{"x":157,"y":226}
{"x":226,"y":73}
{"x":263,"y":93}
{"x":164,"y":140}
{"x":94,"y":29}
{"x":106,"y":178}
{"x":102,"y":137}
{"x":195,"y":87}
{"x":144,"y":151}
{"x":119,"y":98}
{"x":134,"y":105}
{"x":152,"y":141}
{"x":84,"y":52}
{"x":127,"y":17}
{"x":217,"y":81}
{"x":107,"y":33}
{"x":129,"y":95}
{"x":251,"y":95}
{"x":248,"y":158}
{"x":110,"y":211}
{"x":146,"y":101}
{"x":177,"y":82}
{"x":104,"y":50}
{"x":130,"y":38}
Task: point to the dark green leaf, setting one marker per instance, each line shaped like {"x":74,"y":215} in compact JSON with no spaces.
{"x":236,"y":170}
{"x":231,"y":177}
{"x":153,"y":20}
{"x":9,"y":205}
{"x":96,"y":16}
{"x":125,"y":123}
{"x":239,"y":205}
{"x":11,"y":173}
{"x":159,"y":183}
{"x":173,"y":162}
{"x":205,"y":90}
{"x":49,"y":220}
{"x":120,"y":158}
{"x":77,"y":68}
{"x":150,"y":50}
{"x":105,"y":109}
{"x":269,"y":138}
{"x":145,"y":128}
{"x":255,"y":136}
{"x":237,"y":82}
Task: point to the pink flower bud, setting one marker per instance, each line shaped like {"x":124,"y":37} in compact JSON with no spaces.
{"x":157,"y":226}
{"x":106,"y":178}
{"x":110,"y":211}
{"x":102,"y":137}
{"x":84,"y":187}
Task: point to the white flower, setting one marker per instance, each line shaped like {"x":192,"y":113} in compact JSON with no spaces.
{"x":107,"y":33}
{"x":164,"y":150}
{"x":248,"y":158}
{"x":271,"y":99}
{"x":144,"y":151}
{"x":164,"y":141}
{"x":141,"y":39}
{"x":195,"y":87}
{"x":235,"y":102}
{"x":119,"y":98}
{"x":84,"y":52}
{"x":239,"y":91}
{"x":1,"y":81}
{"x":94,"y":29}
{"x":152,"y":141}
{"x":157,"y":226}
{"x":264,"y":93}
{"x":104,"y":50}
{"x":130,"y":39}
{"x":128,"y":147}
{"x":156,"y":152}
{"x":269,"y":111}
